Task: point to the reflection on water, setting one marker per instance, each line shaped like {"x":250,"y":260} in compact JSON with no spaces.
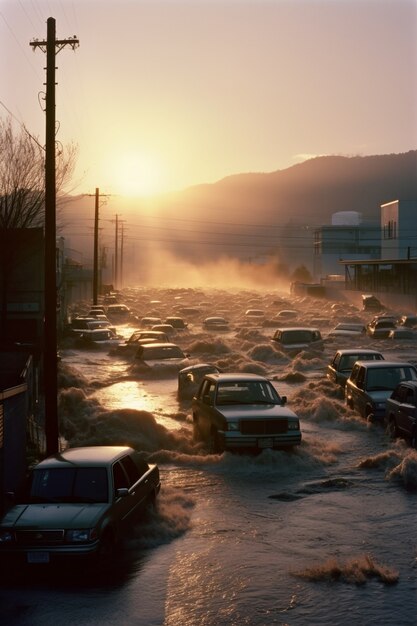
{"x":132,"y":394}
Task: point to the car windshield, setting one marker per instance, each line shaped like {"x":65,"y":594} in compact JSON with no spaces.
{"x":348,"y":360}
{"x":246,"y":392}
{"x":297,"y":336}
{"x":69,"y":484}
{"x":163,"y":353}
{"x":388,"y":378}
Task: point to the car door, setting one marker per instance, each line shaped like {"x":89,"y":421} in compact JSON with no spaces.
{"x":126,"y":478}
{"x":333,"y":369}
{"x":205,"y":408}
{"x":359,"y":396}
{"x":405,"y":410}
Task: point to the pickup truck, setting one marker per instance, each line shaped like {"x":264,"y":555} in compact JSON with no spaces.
{"x":242,"y":411}
{"x":341,"y":365}
{"x":401,"y":412}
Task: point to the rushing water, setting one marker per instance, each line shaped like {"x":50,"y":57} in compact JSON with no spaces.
{"x":323,"y":534}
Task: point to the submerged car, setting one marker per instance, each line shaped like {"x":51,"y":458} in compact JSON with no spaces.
{"x":380,"y":328}
{"x":216,"y":323}
{"x":401,"y":412}
{"x":118,"y":311}
{"x":157,"y":354}
{"x":372,"y":382}
{"x":402,"y":334}
{"x":189,"y":378}
{"x":340,"y":367}
{"x":176,"y":322}
{"x":408,"y":321}
{"x":241,"y":411}
{"x":78,"y":503}
{"x":98,"y":337}
{"x":347,"y":329}
{"x":297,"y":338}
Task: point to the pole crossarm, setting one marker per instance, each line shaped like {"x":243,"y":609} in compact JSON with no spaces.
{"x":59,"y":44}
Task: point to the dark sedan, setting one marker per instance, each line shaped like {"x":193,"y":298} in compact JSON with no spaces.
{"x":78,"y":503}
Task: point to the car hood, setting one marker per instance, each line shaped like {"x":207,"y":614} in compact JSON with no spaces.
{"x":254,"y":411}
{"x":54,"y":515}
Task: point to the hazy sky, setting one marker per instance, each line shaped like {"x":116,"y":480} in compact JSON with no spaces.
{"x":161,"y":95}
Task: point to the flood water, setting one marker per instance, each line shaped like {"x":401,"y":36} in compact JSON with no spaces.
{"x":323,"y":534}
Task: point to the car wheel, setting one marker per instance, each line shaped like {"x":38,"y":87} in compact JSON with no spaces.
{"x":369,"y":414}
{"x":392,"y":428}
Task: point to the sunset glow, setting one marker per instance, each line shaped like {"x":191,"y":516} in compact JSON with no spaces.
{"x":134,"y":174}
{"x":188,"y":93}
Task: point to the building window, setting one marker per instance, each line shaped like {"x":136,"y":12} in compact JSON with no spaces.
{"x":390,"y":230}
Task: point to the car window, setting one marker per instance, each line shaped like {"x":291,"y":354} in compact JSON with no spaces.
{"x":83,"y":484}
{"x":246,"y":392}
{"x":120,"y":479}
{"x":360,"y":380}
{"x":209,"y":392}
{"x":336,"y":360}
{"x":131,"y":470}
{"x":409,"y":397}
{"x":140,"y":463}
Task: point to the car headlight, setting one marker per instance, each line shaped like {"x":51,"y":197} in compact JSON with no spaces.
{"x":234,"y":425}
{"x":295,"y":425}
{"x":6,"y":536}
{"x":80,"y":535}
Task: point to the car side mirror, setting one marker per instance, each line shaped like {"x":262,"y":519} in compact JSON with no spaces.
{"x":122,"y":492}
{"x":283,"y":400}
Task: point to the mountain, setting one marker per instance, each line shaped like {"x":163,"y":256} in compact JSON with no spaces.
{"x":313,"y":190}
{"x":249,"y":216}
{"x":290,"y":203}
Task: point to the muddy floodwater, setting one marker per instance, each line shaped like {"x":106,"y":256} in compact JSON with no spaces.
{"x":322,"y":534}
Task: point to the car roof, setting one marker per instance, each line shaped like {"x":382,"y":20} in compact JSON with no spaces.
{"x":357,"y":351}
{"x":383,"y":364}
{"x":230,"y":377}
{"x":159,"y":344}
{"x":91,"y":455}
{"x":309,"y":328}
{"x":199,"y":366}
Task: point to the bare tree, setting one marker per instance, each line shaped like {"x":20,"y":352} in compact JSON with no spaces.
{"x":22,"y":198}
{"x":22,"y":176}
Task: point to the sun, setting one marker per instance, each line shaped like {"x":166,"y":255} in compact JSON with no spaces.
{"x":136,"y":174}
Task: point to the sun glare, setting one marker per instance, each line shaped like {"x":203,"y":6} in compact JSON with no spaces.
{"x":135,"y":175}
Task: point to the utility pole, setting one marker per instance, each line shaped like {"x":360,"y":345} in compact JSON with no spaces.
{"x":51,"y":46}
{"x":121,"y":256}
{"x":116,"y":251}
{"x":95,"y":255}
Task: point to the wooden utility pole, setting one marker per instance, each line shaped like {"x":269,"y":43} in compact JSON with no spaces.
{"x":95,"y":255}
{"x":51,"y":46}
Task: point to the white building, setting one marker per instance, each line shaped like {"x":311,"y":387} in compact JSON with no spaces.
{"x":399,"y":229}
{"x":346,"y":238}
